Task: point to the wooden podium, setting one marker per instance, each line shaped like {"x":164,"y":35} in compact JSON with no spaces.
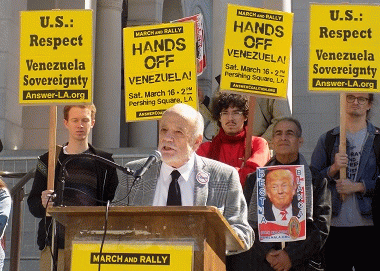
{"x":208,"y":232}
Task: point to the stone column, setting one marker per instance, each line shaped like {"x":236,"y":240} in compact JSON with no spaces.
{"x":11,"y":131}
{"x":141,"y":12}
{"x":283,"y":5}
{"x":107,"y":73}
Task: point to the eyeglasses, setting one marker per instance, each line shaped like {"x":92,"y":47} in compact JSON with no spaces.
{"x":351,"y":99}
{"x":234,"y":114}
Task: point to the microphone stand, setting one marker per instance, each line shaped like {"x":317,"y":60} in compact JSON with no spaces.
{"x":61,"y":186}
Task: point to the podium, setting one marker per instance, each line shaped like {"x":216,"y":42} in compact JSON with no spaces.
{"x":199,"y":230}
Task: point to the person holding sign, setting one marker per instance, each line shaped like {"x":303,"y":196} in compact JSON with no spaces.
{"x":231,"y":113}
{"x":211,"y":126}
{"x":196,"y":180}
{"x":90,"y":182}
{"x":267,"y":112}
{"x":302,"y":254}
{"x":352,"y":223}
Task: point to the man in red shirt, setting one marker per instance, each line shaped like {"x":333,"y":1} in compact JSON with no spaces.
{"x":228,"y":146}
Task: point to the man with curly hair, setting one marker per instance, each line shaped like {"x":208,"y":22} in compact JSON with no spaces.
{"x":228,"y":146}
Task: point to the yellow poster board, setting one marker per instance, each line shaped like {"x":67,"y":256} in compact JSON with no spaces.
{"x":132,"y":256}
{"x":160,"y":69}
{"x":344,"y":48}
{"x":56,"y":57}
{"x":256,"y":53}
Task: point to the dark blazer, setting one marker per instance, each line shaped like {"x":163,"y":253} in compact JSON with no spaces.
{"x":268,"y":212}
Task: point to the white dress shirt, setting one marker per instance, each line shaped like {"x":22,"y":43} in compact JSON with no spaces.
{"x":278,"y":215}
{"x":185,"y":181}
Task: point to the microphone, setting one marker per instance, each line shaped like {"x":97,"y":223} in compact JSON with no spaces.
{"x":58,"y":201}
{"x":153,"y":158}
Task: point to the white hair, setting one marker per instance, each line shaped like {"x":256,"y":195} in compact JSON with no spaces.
{"x":191,"y":114}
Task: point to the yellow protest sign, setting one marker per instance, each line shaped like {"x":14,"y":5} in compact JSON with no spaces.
{"x":134,"y":256}
{"x":257,"y":51}
{"x":160,"y":69}
{"x":55,"y":57}
{"x":344,"y":48}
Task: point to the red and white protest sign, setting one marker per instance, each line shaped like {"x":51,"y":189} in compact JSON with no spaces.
{"x":281,"y":203}
{"x":200,"y":40}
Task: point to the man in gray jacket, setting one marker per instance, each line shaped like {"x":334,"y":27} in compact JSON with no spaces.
{"x":199,"y":181}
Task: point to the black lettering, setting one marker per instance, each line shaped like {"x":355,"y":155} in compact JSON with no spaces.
{"x":58,"y":21}
{"x":44,"y":21}
{"x":279,"y":31}
{"x":349,"y":16}
{"x":33,"y":40}
{"x":139,"y":49}
{"x":181,"y":45}
{"x":334,"y":15}
{"x":147,"y":62}
{"x":240,"y":26}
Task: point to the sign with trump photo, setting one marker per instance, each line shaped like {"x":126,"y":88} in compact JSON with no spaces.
{"x":281,"y":203}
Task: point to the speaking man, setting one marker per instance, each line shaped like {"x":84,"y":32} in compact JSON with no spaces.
{"x":184,"y":178}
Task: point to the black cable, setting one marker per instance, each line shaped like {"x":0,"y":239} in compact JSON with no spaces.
{"x":47,"y":230}
{"x":130,"y":189}
{"x":84,"y":193}
{"x":95,"y":199}
{"x":64,"y":174}
{"x":104,"y":234}
{"x":95,"y":157}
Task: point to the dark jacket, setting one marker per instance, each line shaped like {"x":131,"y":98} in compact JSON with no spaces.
{"x":376,"y":211}
{"x":268,"y":211}
{"x":302,"y":253}
{"x":368,"y":171}
{"x":107,"y":182}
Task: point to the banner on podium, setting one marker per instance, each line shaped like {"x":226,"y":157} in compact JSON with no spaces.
{"x":136,"y":256}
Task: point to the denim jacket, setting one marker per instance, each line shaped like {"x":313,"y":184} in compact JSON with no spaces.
{"x":368,"y":171}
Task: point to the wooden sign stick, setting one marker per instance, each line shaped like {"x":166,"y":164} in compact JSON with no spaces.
{"x":52,"y":146}
{"x":282,"y":245}
{"x":51,"y":170}
{"x":52,"y":138}
{"x":342,"y":137}
{"x":248,"y":138}
{"x":51,"y":174}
